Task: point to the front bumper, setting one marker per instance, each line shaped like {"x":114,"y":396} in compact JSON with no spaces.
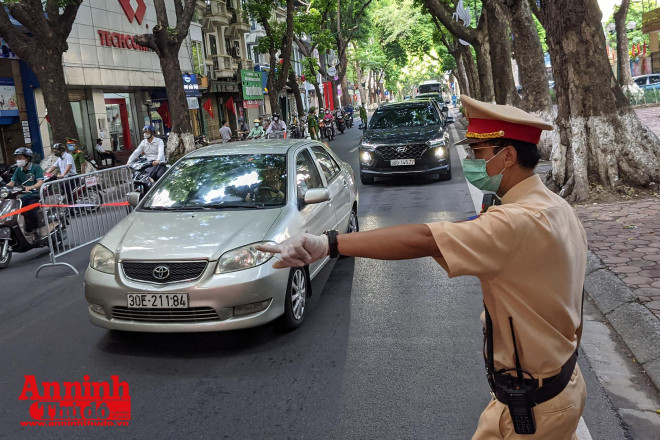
{"x":210,"y":291}
{"x":425,"y":160}
{"x":405,"y":171}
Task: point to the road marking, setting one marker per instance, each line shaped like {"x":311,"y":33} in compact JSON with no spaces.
{"x":354,"y":149}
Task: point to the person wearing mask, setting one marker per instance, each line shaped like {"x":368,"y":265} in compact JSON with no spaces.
{"x":225,"y":132}
{"x":30,"y":176}
{"x":78,"y":157}
{"x":313,"y":124}
{"x":530,"y":255}
{"x":276,"y":124}
{"x":243,"y":128}
{"x":105,"y":154}
{"x":257,"y":132}
{"x":154,"y":149}
{"x":67,"y":168}
{"x":328,"y":120}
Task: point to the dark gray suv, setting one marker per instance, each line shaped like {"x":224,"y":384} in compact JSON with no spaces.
{"x":406,"y":138}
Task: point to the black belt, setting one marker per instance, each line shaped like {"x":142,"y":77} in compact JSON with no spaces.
{"x":551,"y":387}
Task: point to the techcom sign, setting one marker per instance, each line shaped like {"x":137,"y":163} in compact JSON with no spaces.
{"x":125,"y":41}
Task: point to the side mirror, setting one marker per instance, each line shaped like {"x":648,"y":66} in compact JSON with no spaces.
{"x":449,"y":120}
{"x":133,"y":198}
{"x":317,"y":195}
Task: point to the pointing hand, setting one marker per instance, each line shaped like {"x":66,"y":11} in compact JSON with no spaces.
{"x":298,"y":250}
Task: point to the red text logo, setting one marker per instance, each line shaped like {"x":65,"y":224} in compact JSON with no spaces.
{"x":138,"y":14}
{"x":77,"y":403}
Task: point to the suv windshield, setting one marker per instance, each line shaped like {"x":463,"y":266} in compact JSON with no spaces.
{"x":218,"y":182}
{"x":393,"y":117}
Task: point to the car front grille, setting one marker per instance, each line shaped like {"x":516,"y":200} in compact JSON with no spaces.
{"x":402,"y":151}
{"x":163,"y":272}
{"x":193,"y":314}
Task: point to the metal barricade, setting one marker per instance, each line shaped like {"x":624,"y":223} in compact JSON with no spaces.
{"x":80,"y":210}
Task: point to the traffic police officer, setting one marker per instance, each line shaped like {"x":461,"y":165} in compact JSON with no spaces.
{"x":529,"y":254}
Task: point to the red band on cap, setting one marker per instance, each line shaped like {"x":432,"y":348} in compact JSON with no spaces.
{"x":520,"y":132}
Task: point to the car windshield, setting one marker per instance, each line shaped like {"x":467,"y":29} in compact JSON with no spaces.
{"x":404,"y":117}
{"x":243,"y":181}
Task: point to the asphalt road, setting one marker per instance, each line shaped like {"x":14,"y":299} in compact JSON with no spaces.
{"x":388,"y":350}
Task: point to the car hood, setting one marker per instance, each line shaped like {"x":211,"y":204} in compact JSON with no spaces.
{"x":187,"y":235}
{"x":401,"y":135}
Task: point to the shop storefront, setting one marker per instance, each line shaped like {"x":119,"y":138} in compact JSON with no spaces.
{"x":115,"y":86}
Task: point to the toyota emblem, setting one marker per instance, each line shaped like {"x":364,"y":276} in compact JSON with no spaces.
{"x":161,"y":272}
{"x":401,"y":150}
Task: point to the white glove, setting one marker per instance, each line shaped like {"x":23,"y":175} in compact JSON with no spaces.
{"x":299,"y":250}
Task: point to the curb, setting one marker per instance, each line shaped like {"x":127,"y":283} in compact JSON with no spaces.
{"x":637,"y":326}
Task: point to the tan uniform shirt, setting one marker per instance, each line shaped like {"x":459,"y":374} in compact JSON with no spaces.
{"x":530,"y":255}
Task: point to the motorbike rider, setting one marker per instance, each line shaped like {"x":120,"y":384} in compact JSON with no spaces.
{"x":243,"y":128}
{"x":257,"y":131}
{"x":154,"y":149}
{"x":30,"y":176}
{"x":276,"y":124}
{"x":328,"y":119}
{"x":67,"y":168}
{"x":348,"y":108}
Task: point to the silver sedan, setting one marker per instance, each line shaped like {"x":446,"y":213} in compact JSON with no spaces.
{"x":185,"y":259}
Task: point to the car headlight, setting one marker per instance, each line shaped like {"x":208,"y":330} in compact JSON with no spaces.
{"x":366,"y":156}
{"x":440,"y":153}
{"x":368,"y":146}
{"x":102,"y":259}
{"x":437,"y":142}
{"x":243,"y":258}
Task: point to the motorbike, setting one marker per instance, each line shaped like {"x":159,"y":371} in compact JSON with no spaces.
{"x":141,"y":180}
{"x":349,"y":118}
{"x":276,"y":134}
{"x":6,"y":172}
{"x":339,"y":120}
{"x":327,"y":128}
{"x":201,"y":141}
{"x":85,"y":191}
{"x":14,"y":238}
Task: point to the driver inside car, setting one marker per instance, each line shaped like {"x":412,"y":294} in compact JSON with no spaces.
{"x":269,"y":190}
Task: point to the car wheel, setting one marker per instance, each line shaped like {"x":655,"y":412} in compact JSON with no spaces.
{"x":353,"y":224}
{"x":366,"y":180}
{"x":446,"y":176}
{"x":295,"y":299}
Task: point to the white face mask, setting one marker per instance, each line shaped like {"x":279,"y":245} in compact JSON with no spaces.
{"x":256,"y":124}
{"x":147,"y":135}
{"x":21,"y":163}
{"x":276,"y":119}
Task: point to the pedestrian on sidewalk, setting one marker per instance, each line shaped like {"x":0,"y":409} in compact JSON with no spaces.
{"x":530,"y":255}
{"x":363,"y":115}
{"x":225,"y":132}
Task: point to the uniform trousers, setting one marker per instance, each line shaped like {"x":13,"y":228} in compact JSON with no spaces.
{"x":556,"y":419}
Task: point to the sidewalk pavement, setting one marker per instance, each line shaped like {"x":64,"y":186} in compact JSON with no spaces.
{"x":623,"y":273}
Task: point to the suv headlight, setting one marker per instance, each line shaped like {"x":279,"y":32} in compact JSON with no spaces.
{"x":102,"y":259}
{"x":440,"y":142}
{"x":243,"y":258}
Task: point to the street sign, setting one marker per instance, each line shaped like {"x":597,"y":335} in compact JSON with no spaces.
{"x":332,"y":71}
{"x":251,"y":83}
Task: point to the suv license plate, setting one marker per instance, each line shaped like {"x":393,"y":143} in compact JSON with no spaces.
{"x":399,"y":162}
{"x":157,"y":300}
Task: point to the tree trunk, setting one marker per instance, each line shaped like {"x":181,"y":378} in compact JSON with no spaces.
{"x":528,"y":53}
{"x":181,"y":140}
{"x":602,"y":139}
{"x":293,"y":83}
{"x":461,"y":77}
{"x":358,"y":73}
{"x":345,"y":97}
{"x":56,"y":96}
{"x":499,"y":40}
{"x":471,"y":71}
{"x":273,"y":98}
{"x":622,"y":55}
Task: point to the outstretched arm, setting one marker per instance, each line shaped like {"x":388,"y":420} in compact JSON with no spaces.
{"x":401,"y":242}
